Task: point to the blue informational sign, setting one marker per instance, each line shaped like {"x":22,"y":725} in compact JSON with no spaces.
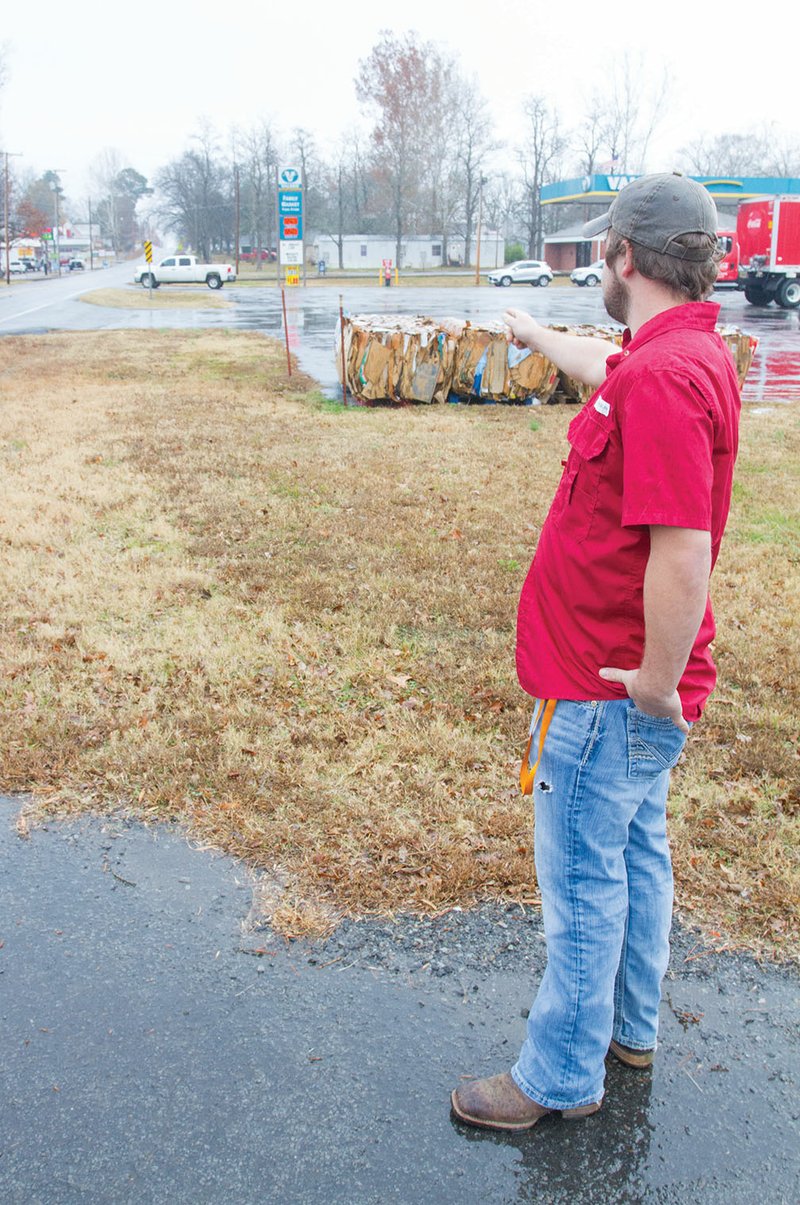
{"x":290,"y":202}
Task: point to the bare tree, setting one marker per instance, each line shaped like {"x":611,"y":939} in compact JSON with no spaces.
{"x":305,"y":148}
{"x":345,"y":192}
{"x":196,"y":195}
{"x":758,"y":152}
{"x":256,"y":151}
{"x":399,"y":82}
{"x":590,"y":136}
{"x":539,"y":158}
{"x":475,"y":140}
{"x":103,"y":171}
{"x":632,"y":110}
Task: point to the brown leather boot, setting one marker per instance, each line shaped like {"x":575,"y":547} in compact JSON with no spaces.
{"x":498,"y":1104}
{"x":630,"y":1056}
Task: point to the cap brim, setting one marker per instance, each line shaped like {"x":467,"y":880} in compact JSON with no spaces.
{"x":597,"y":225}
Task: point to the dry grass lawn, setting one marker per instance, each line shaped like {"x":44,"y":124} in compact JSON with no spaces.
{"x":137,"y":298}
{"x":290,"y":625}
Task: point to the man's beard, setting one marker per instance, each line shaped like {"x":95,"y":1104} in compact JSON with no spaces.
{"x":616,"y":297}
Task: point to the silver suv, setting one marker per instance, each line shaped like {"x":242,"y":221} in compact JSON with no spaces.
{"x":522,"y":272}
{"x":588,"y":277}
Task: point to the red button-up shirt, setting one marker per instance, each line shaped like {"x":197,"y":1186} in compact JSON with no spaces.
{"x":655,"y":445}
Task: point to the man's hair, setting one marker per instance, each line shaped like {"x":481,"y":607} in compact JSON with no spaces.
{"x":694,"y":281}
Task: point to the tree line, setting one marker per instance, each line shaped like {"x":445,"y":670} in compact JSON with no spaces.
{"x":424,"y":159}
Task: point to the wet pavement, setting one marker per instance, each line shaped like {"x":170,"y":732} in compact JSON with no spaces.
{"x":158,"y":1048}
{"x":312,"y":314}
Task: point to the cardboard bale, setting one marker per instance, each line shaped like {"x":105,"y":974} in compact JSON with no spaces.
{"x":742,"y":348}
{"x":486,"y":365}
{"x":393,"y":357}
{"x":569,"y":389}
{"x":401,"y":358}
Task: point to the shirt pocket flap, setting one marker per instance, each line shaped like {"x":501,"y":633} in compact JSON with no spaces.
{"x":587,"y":436}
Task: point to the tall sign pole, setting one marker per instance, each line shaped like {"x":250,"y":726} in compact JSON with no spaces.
{"x":290,"y":223}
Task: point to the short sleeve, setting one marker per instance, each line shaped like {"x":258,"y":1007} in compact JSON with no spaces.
{"x":667,"y":429}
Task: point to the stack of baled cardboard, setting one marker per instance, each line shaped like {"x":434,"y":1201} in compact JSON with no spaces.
{"x":398,"y":358}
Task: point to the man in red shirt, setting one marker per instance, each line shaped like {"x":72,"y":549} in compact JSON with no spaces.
{"x":613,"y":643}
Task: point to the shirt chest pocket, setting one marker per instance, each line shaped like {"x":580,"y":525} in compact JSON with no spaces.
{"x":577,"y":495}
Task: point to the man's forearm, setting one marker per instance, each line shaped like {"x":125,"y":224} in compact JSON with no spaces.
{"x":580,"y":356}
{"x":675,"y":597}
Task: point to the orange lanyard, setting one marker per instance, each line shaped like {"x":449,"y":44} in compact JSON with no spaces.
{"x":527,"y":773}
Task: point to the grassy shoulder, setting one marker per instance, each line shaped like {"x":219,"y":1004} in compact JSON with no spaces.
{"x":177,"y":298}
{"x":291,"y":625}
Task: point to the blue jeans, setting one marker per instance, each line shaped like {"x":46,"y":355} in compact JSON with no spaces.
{"x":605,"y":877}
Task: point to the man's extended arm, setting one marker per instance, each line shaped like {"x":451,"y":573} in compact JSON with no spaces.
{"x":580,"y":356}
{"x":675,"y":596}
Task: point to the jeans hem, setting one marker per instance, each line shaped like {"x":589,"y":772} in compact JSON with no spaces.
{"x":551,"y":1102}
{"x":623,"y":1041}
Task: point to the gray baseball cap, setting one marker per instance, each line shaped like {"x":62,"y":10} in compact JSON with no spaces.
{"x":655,"y":210}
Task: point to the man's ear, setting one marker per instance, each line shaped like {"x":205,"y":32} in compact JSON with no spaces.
{"x":626,"y":265}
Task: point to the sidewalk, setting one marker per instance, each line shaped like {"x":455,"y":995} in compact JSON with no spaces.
{"x":155,"y":1049}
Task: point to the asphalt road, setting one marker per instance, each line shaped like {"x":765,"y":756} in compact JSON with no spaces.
{"x":34,"y":307}
{"x":158,"y":1048}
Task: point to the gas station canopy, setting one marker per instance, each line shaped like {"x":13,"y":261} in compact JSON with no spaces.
{"x":602,"y":189}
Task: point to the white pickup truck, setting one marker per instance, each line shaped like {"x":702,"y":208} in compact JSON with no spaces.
{"x":184,"y":269}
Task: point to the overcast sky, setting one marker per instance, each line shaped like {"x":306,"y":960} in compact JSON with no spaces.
{"x":139,"y":76}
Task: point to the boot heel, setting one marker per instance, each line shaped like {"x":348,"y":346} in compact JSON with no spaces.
{"x":581,"y":1111}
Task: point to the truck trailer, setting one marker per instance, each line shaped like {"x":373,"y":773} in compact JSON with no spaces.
{"x":768,"y":233}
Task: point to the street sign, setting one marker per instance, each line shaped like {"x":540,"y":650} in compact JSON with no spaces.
{"x":289,"y":177}
{"x":148,"y":252}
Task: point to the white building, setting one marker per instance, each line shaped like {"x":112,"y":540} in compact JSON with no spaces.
{"x":368,"y":251}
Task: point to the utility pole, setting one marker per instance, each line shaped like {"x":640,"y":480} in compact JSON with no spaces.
{"x":91,"y":240}
{"x":238,"y":217}
{"x":16,"y":155}
{"x":481,"y":182}
{"x":57,"y":191}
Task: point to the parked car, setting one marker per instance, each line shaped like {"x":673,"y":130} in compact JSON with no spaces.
{"x":249,"y":256}
{"x":588,"y":277}
{"x":522,"y":272}
{"x":76,"y":265}
{"x":16,"y":267}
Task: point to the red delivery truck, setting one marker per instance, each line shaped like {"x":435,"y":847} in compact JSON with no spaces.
{"x":768,"y":232}
{"x":728,"y":271}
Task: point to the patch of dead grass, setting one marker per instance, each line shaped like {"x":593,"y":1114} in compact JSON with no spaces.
{"x":291,"y":626}
{"x":179,"y":298}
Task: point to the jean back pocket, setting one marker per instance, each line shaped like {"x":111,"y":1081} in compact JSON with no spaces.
{"x":654,"y":743}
